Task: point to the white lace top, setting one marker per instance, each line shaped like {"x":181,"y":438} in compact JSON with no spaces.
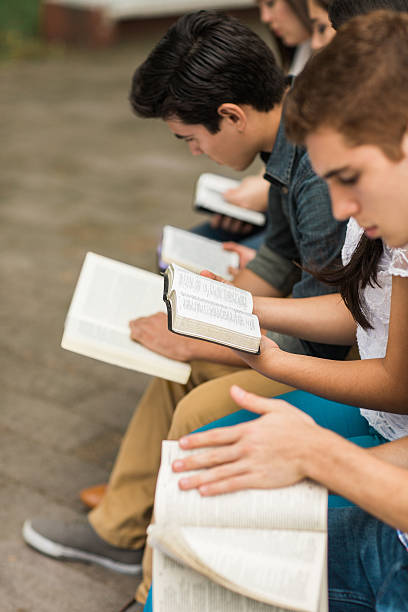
{"x":372,"y":343}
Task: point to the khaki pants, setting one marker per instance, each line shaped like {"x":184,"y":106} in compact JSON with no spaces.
{"x":167,"y":410}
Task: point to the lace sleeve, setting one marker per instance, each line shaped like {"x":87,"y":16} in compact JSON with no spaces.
{"x":399,"y":262}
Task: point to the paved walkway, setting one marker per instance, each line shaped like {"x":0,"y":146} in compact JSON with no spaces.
{"x":78,"y":173}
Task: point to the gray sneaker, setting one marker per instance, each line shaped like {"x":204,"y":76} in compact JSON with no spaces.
{"x":77,"y":541}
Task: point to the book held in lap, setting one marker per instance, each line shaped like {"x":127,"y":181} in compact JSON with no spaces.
{"x":196,"y":253}
{"x":260,"y":550}
{"x":107,"y":296}
{"x":204,"y":308}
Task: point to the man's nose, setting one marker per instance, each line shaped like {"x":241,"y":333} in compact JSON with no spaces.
{"x":194,"y":148}
{"x":344,"y":205}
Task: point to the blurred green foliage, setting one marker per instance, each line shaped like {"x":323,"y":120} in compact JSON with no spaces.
{"x":20,"y":16}
{"x":19,"y":29}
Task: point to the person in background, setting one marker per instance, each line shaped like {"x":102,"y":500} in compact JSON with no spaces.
{"x":323,"y":30}
{"x":290,"y":22}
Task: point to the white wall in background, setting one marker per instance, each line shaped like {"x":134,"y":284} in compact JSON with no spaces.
{"x":121,"y":9}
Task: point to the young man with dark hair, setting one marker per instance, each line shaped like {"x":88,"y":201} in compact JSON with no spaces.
{"x":194,"y":70}
{"x":217,"y":86}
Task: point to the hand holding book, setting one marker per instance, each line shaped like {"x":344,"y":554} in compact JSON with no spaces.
{"x":245,"y":254}
{"x":251,"y":193}
{"x":210,"y":198}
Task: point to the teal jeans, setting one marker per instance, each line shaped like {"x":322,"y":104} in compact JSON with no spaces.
{"x":340,"y":418}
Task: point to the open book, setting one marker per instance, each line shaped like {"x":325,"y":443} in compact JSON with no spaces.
{"x":196,"y":253}
{"x":207,"y":309}
{"x":254,"y":550}
{"x":209,"y":198}
{"x":107,"y":296}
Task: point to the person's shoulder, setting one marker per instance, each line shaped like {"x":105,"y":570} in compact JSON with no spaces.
{"x":303,"y":165}
{"x":305,"y":182}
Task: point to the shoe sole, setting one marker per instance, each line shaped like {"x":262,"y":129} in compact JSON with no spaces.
{"x":64,"y":553}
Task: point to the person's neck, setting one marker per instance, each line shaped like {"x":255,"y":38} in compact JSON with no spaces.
{"x":268,"y":127}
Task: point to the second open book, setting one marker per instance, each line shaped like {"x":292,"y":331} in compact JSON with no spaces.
{"x":107,"y":296}
{"x":255,"y":550}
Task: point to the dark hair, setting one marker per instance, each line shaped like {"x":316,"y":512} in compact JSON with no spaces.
{"x":355,"y":276}
{"x":357,"y":86}
{"x":341,"y":11}
{"x":204,"y":60}
{"x":324,"y":4}
{"x":299,"y":8}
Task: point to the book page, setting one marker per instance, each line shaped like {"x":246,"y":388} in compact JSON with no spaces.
{"x":112,"y":293}
{"x":210,"y":188}
{"x":302,"y":506}
{"x":189,"y":283}
{"x":107,"y":296}
{"x":177,"y":588}
{"x":278,"y":567}
{"x":196,"y":252}
{"x":209,"y":313}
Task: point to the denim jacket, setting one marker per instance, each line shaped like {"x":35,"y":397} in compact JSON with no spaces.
{"x":300,"y":227}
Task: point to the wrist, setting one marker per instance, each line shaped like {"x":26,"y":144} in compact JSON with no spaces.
{"x":190,"y":349}
{"x":257,"y":307}
{"x":318,"y":453}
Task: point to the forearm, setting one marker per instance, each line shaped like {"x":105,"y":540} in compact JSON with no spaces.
{"x":248,"y":280}
{"x":366,"y":383}
{"x":322,"y":318}
{"x":362,"y":477}
{"x":201,"y":350}
{"x":395,"y":452}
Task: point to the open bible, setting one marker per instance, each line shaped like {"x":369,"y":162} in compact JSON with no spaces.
{"x":107,"y":296}
{"x":196,"y":252}
{"x":208,"y":198}
{"x":254,"y":550}
{"x":210,"y":310}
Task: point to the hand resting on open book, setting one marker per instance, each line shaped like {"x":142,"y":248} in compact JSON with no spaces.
{"x":269,"y":452}
{"x":152,"y":332}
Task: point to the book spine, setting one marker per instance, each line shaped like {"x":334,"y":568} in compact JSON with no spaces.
{"x":167,"y":301}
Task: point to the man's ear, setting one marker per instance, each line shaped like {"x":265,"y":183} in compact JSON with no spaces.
{"x":234,"y":115}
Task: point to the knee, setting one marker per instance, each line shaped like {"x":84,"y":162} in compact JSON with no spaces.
{"x":197,"y":409}
{"x":186,"y":415}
